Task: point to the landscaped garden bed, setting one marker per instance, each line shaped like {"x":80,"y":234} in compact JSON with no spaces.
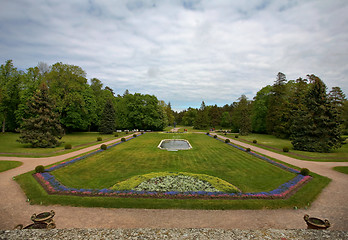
{"x":54,"y":186}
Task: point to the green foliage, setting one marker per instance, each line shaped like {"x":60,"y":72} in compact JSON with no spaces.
{"x":39,"y":169}
{"x":103,"y":147}
{"x":99,"y":139}
{"x":67,"y":146}
{"x":304,"y":171}
{"x":227,"y":140}
{"x":225,"y":119}
{"x":285,"y":149}
{"x":10,"y":81}
{"x":254,"y":141}
{"x":215,"y":136}
{"x":260,"y":110}
{"x":207,"y":133}
{"x":247,"y":149}
{"x":134,"y":135}
{"x":189,"y":117}
{"x":202,"y":120}
{"x":236,"y":136}
{"x":107,"y":122}
{"x":116,"y":135}
{"x":316,"y":127}
{"x":242,"y":116}
{"x":123,"y":139}
{"x":42,"y":128}
{"x":73,"y":96}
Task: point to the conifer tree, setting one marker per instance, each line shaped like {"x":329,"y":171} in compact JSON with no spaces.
{"x":316,"y":127}
{"x":42,"y":128}
{"x":107,"y":123}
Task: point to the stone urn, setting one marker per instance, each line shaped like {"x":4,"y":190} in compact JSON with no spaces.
{"x":316,"y":223}
{"x":43,"y":220}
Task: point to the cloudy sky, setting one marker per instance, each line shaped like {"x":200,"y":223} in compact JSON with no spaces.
{"x":182,"y":51}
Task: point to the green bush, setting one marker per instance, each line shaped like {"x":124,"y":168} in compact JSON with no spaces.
{"x":236,"y":136}
{"x":39,"y":169}
{"x":134,"y":135}
{"x":123,"y":139}
{"x":67,"y":146}
{"x":304,"y":171}
{"x":254,"y":141}
{"x":99,"y":139}
{"x":142,"y":132}
{"x":207,"y":133}
{"x":116,"y":135}
{"x":247,"y":149}
{"x":215,"y":136}
{"x":285,"y":149}
{"x":103,"y":147}
{"x":227,"y":140}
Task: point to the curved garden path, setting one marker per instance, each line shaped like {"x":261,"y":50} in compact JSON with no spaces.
{"x":331,"y":204}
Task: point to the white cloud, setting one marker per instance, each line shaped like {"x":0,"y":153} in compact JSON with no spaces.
{"x":182,"y":51}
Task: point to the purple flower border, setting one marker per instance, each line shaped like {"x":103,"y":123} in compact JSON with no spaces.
{"x":52,"y":186}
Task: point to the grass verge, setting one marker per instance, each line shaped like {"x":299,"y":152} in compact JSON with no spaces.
{"x":341,"y":169}
{"x":7,"y":165}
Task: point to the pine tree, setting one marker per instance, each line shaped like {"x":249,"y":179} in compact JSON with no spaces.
{"x":316,"y":127}
{"x":42,"y":128}
{"x":107,"y":122}
{"x":244,"y":107}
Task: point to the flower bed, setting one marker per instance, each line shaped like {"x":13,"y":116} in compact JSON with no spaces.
{"x":52,"y":186}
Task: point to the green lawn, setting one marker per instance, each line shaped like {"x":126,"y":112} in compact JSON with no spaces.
{"x":141,"y":155}
{"x":341,"y":169}
{"x":9,"y":144}
{"x":336,"y":155}
{"x":7,"y":165}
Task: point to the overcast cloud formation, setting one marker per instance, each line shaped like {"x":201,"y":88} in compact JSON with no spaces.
{"x":182,"y":51}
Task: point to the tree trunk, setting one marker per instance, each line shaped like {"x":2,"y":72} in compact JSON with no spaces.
{"x":3,"y":125}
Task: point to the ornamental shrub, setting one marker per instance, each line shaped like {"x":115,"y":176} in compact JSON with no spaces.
{"x":142,"y":132}
{"x":116,"y":135}
{"x":134,"y":135}
{"x":99,"y":139}
{"x":123,"y":139}
{"x":247,"y":149}
{"x":207,"y":133}
{"x":67,"y":146}
{"x":215,"y":136}
{"x":285,"y":149}
{"x":227,"y":140}
{"x":103,"y":147}
{"x":304,"y":171}
{"x":254,"y":141}
{"x":39,"y":169}
{"x":236,"y":136}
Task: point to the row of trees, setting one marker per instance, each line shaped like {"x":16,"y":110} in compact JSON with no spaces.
{"x":80,"y":105}
{"x":301,"y":110}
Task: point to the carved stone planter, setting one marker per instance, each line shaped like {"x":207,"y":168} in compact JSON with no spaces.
{"x":316,"y":223}
{"x":43,"y":220}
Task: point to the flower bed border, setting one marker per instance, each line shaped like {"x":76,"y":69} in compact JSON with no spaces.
{"x":284,"y":191}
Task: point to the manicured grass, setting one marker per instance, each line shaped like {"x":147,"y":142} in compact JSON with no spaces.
{"x":141,"y":156}
{"x":302,"y":199}
{"x":341,"y":169}
{"x":220,"y":160}
{"x":336,"y":155}
{"x":9,"y":144}
{"x":7,"y":165}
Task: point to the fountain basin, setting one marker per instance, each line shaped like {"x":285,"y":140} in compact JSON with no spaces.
{"x":174,"y":144}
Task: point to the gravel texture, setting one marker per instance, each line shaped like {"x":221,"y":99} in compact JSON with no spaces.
{"x":188,"y":233}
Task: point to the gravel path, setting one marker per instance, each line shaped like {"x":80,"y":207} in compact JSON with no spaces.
{"x":331,"y":204}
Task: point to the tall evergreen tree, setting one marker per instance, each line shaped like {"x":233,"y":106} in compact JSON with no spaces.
{"x":278,"y":112}
{"x":316,"y":127}
{"x":244,"y":108}
{"x":108,"y":118}
{"x":42,"y":128}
